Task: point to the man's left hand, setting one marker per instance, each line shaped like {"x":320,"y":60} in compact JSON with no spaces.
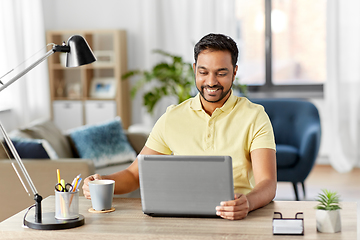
{"x":234,"y":209}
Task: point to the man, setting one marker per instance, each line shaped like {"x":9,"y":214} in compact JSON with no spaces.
{"x":215,"y":122}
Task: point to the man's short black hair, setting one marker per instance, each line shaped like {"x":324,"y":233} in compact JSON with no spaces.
{"x":217,"y":42}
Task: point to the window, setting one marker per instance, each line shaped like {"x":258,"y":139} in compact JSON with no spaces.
{"x":282,"y":44}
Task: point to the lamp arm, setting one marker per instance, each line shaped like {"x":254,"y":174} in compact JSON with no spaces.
{"x":37,"y":197}
{"x":18,"y":160}
{"x":26,"y":70}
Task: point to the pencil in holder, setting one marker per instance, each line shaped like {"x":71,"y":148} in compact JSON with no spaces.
{"x":66,"y":205}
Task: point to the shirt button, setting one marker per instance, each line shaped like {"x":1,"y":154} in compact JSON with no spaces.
{"x":209,"y":135}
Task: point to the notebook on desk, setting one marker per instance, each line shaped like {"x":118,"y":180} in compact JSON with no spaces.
{"x":184,"y":185}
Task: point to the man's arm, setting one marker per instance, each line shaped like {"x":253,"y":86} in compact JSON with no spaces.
{"x":264,"y":169}
{"x":125,"y":181}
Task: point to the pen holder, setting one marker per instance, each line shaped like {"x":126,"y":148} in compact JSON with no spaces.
{"x":66,"y":205}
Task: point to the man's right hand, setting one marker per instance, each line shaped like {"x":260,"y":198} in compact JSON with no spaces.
{"x":85,"y":186}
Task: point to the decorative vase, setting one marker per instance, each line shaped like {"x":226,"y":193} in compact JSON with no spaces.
{"x":328,"y":221}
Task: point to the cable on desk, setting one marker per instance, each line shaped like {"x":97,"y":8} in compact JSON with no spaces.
{"x":27,"y":213}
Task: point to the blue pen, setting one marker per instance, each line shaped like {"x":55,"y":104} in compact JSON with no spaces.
{"x":77,"y":186}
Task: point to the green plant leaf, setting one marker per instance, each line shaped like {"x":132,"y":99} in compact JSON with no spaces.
{"x":173,"y":78}
{"x":130,"y":74}
{"x":328,"y":200}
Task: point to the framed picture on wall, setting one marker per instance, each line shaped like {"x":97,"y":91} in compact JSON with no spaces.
{"x":103,"y":88}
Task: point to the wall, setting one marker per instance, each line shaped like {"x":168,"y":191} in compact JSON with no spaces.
{"x":92,"y":14}
{"x":7,"y":120}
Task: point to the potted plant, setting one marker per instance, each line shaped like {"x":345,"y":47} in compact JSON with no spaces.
{"x":174,"y":78}
{"x":328,"y":212}
{"x":240,"y":89}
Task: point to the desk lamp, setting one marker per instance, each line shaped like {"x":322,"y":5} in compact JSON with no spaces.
{"x":78,"y":53}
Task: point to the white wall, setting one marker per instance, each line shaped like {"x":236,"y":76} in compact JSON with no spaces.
{"x":94,"y":14}
{"x":8,"y":120}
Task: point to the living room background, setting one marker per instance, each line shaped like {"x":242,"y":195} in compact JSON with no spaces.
{"x":175,"y":26}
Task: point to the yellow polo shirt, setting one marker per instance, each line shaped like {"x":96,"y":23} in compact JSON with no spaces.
{"x":235,"y":129}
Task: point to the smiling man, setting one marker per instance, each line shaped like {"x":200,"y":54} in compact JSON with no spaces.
{"x":215,"y":122}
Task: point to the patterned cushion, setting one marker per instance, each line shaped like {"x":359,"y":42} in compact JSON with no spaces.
{"x":104,"y":143}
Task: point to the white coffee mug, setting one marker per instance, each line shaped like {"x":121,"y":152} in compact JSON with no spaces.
{"x":102,"y":193}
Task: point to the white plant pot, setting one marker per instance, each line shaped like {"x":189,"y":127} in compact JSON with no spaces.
{"x":328,"y":221}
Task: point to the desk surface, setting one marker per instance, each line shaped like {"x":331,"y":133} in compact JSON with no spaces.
{"x":128,"y":222}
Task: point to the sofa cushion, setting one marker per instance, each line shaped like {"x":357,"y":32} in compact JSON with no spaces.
{"x":17,"y":133}
{"x":3,"y":146}
{"x":137,"y":140}
{"x":2,"y":152}
{"x":46,"y":129}
{"x":104,"y":143}
{"x":33,"y":149}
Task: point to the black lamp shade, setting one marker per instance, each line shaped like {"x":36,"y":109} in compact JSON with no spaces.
{"x":80,"y":52}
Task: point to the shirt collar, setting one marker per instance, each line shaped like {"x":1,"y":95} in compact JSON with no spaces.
{"x":196,"y":103}
{"x":228,"y":105}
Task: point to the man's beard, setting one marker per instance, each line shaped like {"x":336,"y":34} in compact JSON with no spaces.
{"x":216,"y":86}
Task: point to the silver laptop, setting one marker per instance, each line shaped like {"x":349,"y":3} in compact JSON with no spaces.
{"x":184,"y":185}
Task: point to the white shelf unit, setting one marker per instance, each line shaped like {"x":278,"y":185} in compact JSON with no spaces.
{"x":83,"y":88}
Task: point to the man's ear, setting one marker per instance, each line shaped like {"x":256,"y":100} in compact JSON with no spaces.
{"x":194,"y":68}
{"x":235,"y":71}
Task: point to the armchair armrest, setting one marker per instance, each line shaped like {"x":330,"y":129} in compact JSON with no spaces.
{"x":309,"y":148}
{"x":137,"y":140}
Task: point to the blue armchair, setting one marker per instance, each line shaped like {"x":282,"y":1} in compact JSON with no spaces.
{"x":297,"y":131}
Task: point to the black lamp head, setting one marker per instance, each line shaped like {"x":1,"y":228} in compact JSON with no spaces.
{"x":80,"y":52}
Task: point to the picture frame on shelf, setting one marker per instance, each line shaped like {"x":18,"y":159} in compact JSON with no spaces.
{"x":104,"y":57}
{"x":103,"y":88}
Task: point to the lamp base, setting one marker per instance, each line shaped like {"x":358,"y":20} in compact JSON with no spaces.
{"x":49,"y":222}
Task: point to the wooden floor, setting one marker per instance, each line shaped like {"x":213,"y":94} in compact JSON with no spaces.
{"x":324,"y":176}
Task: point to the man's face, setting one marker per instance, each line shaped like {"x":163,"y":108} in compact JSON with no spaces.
{"x":214,"y":74}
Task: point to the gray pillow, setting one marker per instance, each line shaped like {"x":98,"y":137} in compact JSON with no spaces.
{"x":46,"y":129}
